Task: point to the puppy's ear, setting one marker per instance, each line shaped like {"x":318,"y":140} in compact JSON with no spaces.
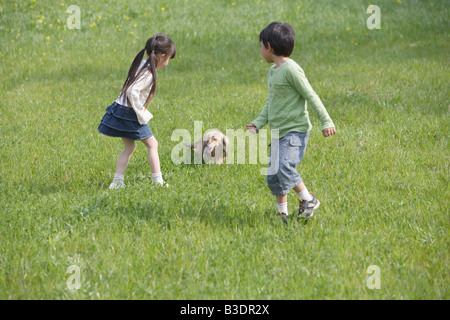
{"x":224,"y":143}
{"x":205,"y":139}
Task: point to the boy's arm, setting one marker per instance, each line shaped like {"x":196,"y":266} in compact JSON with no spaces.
{"x":263,"y":117}
{"x":299,"y":81}
{"x":328,"y":132}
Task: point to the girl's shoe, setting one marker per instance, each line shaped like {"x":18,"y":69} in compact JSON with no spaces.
{"x":117,"y":185}
{"x":164,"y":184}
{"x":306,"y":208}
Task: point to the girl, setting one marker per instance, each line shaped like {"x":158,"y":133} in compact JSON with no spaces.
{"x":128,"y":116}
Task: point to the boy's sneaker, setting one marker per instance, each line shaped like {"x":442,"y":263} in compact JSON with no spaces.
{"x":306,"y":208}
{"x":283,"y":217}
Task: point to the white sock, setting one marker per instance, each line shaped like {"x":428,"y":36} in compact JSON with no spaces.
{"x":117,"y":182}
{"x":282,"y":207}
{"x":118,"y":177}
{"x":304,"y":195}
{"x":157,"y":177}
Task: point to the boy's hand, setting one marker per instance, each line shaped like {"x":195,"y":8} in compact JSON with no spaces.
{"x":328,"y":132}
{"x":252,"y":128}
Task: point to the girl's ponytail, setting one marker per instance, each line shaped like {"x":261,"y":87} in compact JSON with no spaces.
{"x":152,"y":67}
{"x":158,"y":44}
{"x":131,"y":77}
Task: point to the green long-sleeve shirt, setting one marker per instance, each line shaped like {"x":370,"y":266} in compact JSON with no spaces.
{"x":285,"y":107}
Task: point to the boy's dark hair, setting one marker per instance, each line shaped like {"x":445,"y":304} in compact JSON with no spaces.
{"x":281,"y":37}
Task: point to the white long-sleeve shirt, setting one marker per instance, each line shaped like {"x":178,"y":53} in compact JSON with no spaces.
{"x":137,"y":94}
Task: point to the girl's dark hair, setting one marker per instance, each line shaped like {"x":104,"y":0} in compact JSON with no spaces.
{"x":281,"y":37}
{"x":159,"y":43}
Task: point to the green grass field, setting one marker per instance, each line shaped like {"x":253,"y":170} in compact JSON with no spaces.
{"x":214,"y":234}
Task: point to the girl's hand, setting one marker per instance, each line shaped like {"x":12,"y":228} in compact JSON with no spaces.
{"x":328,"y":132}
{"x":252,"y":128}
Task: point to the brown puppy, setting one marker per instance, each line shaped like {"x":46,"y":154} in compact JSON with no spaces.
{"x":212,"y":146}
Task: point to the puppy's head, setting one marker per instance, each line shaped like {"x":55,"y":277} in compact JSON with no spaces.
{"x":214,"y":140}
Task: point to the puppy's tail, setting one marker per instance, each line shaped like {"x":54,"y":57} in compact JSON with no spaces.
{"x":190,"y":145}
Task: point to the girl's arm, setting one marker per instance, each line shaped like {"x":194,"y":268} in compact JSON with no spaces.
{"x":137,"y":94}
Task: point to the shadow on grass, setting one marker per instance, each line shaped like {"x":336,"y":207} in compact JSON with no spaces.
{"x":40,"y":189}
{"x":223,"y":217}
{"x":212,"y":204}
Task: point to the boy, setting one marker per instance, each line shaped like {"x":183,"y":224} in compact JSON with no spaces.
{"x":285,"y":110}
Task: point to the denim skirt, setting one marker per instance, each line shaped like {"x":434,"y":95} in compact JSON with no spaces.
{"x":121,"y":121}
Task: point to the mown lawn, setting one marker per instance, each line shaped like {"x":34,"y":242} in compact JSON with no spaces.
{"x":214,"y":234}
